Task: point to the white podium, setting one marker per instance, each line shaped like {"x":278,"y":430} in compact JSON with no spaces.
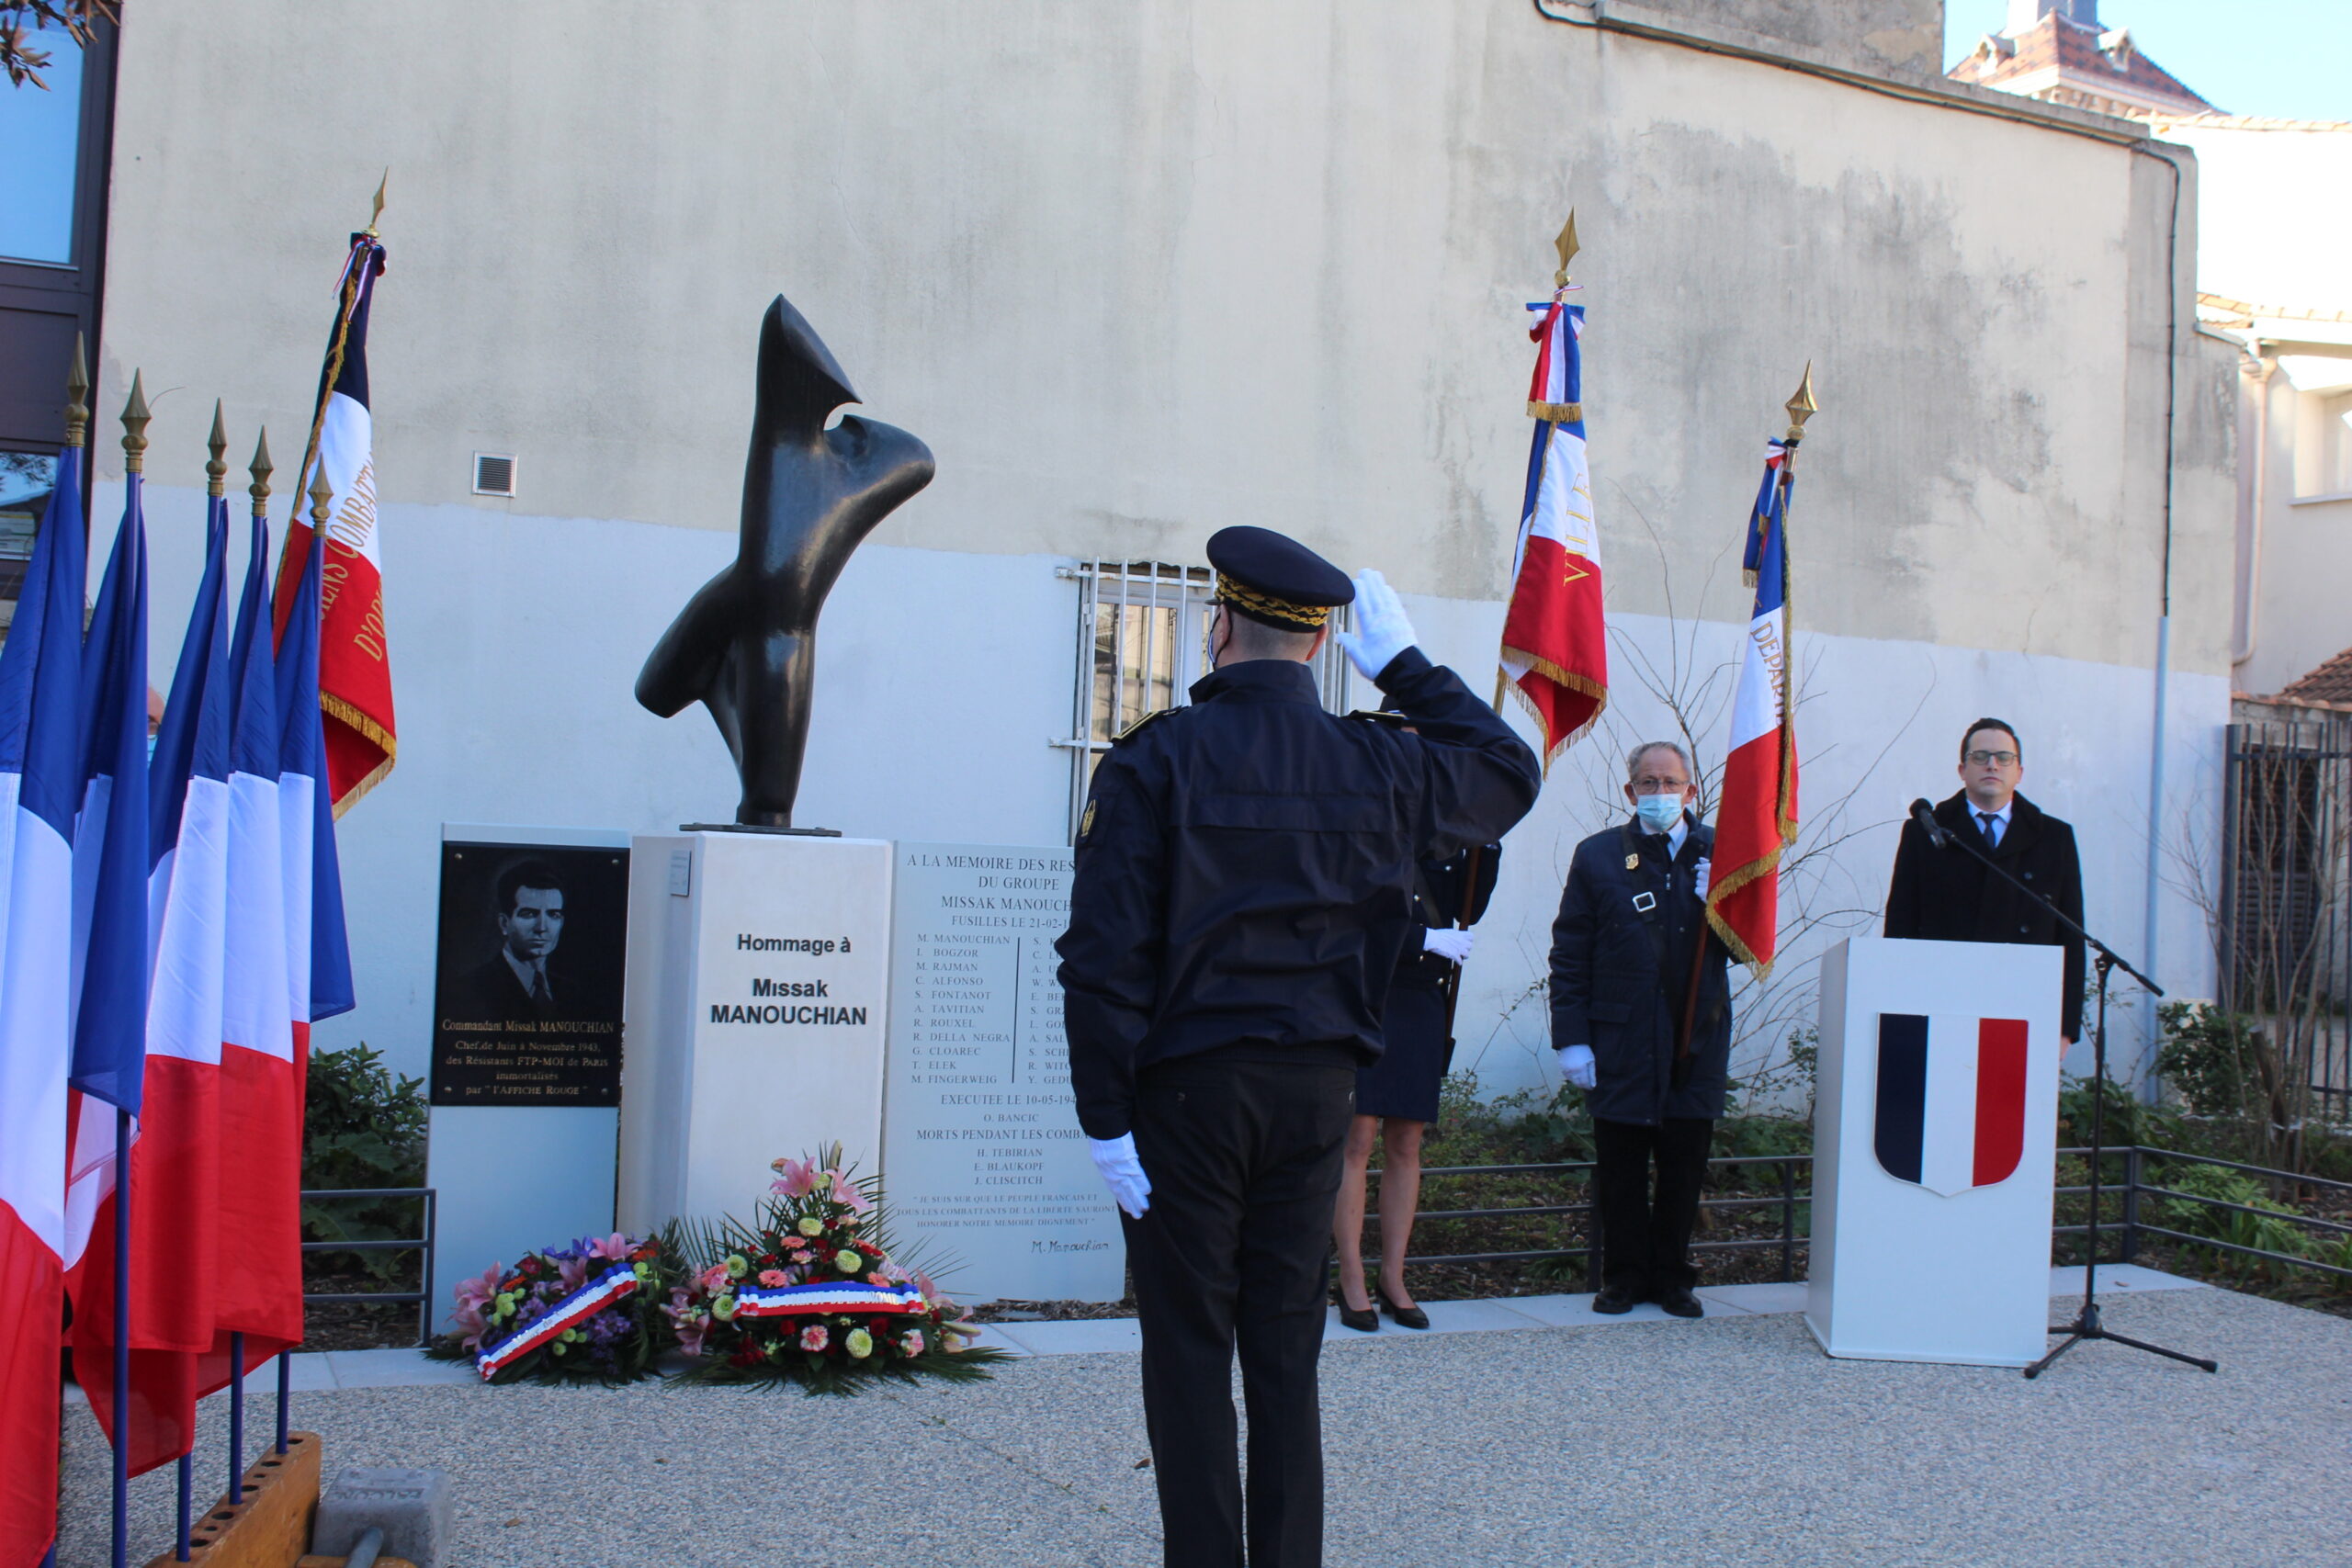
{"x":1934,"y":1151}
{"x":759,"y":969}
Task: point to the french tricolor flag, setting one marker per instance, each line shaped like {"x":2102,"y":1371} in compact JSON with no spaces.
{"x":1556,"y":636}
{"x":108,"y":1070}
{"x":175,"y":1164}
{"x":41,"y":789}
{"x":1950,"y":1112}
{"x":261,"y":1086}
{"x":1758,"y":817}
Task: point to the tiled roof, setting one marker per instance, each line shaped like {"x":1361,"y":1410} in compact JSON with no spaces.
{"x":2330,"y":683}
{"x":2083,"y":64}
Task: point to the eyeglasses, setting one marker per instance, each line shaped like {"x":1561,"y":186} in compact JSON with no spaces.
{"x":1660,"y":786}
{"x":1991,"y":759}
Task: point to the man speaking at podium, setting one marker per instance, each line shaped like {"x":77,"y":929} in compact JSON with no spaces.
{"x":1948,"y":894}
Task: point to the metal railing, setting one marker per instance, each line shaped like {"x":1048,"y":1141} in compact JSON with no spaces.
{"x":2128,"y":1229}
{"x":420,"y":1296}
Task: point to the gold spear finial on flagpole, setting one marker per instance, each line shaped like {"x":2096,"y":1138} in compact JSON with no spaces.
{"x":215,"y":469}
{"x":1801,"y":407}
{"x":77,"y":398}
{"x":321,"y":493}
{"x":1568,"y":247}
{"x":260,"y":469}
{"x":134,"y":427}
{"x":378,"y":213}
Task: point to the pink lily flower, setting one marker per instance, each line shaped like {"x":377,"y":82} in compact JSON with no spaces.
{"x":472,"y":1296}
{"x":844,"y":1193}
{"x":795,"y":1178}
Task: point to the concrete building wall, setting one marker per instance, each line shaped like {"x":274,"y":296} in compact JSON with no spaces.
{"x":1135,"y":273}
{"x":2274,"y":244}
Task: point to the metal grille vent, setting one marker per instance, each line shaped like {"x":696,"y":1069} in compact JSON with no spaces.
{"x":494,"y":474}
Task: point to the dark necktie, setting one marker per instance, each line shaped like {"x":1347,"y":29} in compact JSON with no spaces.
{"x":539,"y":988}
{"x":1992,"y":834}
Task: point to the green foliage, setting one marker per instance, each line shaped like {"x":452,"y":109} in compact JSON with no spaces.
{"x":2208,"y":1057}
{"x":2270,"y":1229}
{"x":362,"y":1126}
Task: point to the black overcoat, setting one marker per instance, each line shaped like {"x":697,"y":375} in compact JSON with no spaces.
{"x":1947,"y":896}
{"x":1246,"y":868}
{"x":1620,"y":973}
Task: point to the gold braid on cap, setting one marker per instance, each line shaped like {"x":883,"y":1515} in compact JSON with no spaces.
{"x":1306,"y":617}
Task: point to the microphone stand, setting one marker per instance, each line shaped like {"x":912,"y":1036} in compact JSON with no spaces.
{"x":2087,"y":1324}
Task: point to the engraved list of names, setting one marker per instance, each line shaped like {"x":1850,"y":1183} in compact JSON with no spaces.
{"x":982,"y":1155}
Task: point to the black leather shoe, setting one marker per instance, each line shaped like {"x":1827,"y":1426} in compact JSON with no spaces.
{"x":1679,"y":1303}
{"x":1406,"y":1317}
{"x":1613,"y":1300}
{"x":1364,"y":1322}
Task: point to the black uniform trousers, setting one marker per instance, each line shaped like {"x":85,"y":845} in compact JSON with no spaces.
{"x":1243,"y":1151}
{"x":1645,"y":1238}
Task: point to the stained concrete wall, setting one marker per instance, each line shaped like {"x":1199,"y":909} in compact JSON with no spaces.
{"x":1881,"y":37}
{"x":1135,"y":273}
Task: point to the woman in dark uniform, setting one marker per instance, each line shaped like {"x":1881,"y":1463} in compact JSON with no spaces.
{"x":1396,"y":1096}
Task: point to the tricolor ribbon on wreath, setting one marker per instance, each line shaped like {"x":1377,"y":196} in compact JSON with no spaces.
{"x":840,"y":1296}
{"x":581,"y":1304}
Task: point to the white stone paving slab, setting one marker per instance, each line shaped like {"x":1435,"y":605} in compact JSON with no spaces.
{"x":2119,"y":1278}
{"x":395,"y":1369}
{"x":1761,"y":1300}
{"x":1000,"y":1336}
{"x":1082,"y":1336}
{"x":314,"y":1370}
{"x":1576,"y":1312}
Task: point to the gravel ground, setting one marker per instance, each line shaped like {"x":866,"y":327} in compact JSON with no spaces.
{"x":1728,"y":1441}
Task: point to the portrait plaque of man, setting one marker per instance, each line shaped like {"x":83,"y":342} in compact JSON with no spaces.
{"x":527,"y":1004}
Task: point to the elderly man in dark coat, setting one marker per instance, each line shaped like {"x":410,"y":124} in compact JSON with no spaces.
{"x":1631,"y":916}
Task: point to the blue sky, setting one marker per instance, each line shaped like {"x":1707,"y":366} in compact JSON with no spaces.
{"x":2285,"y":59}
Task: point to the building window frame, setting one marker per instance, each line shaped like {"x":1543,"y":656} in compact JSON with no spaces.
{"x":1142,"y":641}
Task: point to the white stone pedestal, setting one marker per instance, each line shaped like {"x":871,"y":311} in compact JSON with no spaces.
{"x":1934,"y":1151}
{"x":758,"y":985}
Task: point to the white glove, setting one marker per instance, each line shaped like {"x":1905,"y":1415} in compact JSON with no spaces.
{"x":1447,"y":943}
{"x":1575,"y":1064}
{"x":1382,"y":631}
{"x":1121,"y":1172}
{"x":1699,"y":880}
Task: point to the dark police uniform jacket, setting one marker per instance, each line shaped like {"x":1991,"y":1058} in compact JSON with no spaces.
{"x":1620,"y":971}
{"x":1947,"y":896}
{"x":1436,"y":903}
{"x":1246,"y":867}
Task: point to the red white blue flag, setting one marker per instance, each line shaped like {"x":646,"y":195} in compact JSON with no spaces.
{"x":1555,"y":639}
{"x":1756,"y":819}
{"x":109,"y":935}
{"x":175,"y":1163}
{"x":40,"y":790}
{"x":1950,"y":1112}
{"x":355,"y":667}
{"x":261,"y":1086}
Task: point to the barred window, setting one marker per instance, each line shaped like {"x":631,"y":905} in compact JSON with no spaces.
{"x":1142,"y":641}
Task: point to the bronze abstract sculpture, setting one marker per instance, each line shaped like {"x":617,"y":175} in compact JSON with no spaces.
{"x":746,"y":644}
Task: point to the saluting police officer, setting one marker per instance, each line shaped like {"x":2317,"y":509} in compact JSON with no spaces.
{"x":1245,"y":881}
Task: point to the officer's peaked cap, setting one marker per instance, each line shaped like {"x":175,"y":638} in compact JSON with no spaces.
{"x":1276,"y":578}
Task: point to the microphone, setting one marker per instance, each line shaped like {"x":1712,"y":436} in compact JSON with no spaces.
{"x":1925,"y":816}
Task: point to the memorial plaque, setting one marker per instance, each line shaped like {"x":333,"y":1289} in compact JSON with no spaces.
{"x":528,"y":996}
{"x":759,"y":977}
{"x":983,"y":1159}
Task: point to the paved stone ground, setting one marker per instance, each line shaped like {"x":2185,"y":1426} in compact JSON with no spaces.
{"x":1728,"y":1441}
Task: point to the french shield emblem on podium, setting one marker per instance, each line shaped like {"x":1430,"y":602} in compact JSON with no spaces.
{"x":1951,"y":1090}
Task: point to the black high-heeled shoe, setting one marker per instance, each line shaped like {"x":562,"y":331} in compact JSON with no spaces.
{"x":1405,"y":1317}
{"x":1364,"y":1322}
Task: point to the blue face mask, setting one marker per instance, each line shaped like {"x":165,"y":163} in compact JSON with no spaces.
{"x":1659,"y":813}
